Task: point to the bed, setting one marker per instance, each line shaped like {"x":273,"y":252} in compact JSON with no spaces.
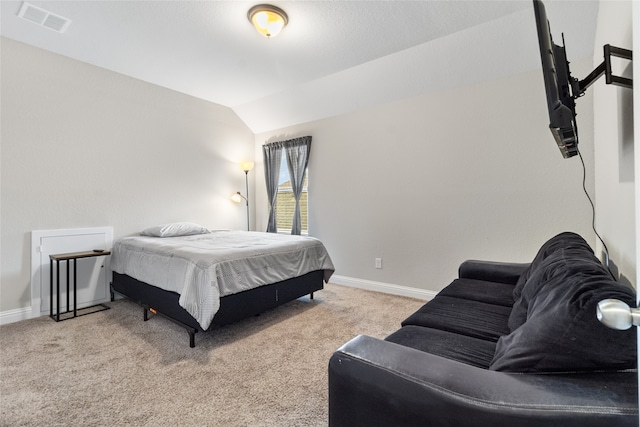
{"x":202,"y":279}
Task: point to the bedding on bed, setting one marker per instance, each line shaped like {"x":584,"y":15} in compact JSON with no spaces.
{"x":204,"y":267}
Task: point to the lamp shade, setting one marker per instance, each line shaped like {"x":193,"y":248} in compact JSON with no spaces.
{"x":246,"y":166}
{"x":269,"y":20}
{"x":237,"y":198}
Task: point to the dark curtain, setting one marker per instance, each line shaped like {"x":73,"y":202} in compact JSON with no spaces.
{"x":297,"y":152}
{"x":272,"y":154}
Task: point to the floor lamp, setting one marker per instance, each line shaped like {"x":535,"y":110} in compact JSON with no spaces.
{"x":246,"y":167}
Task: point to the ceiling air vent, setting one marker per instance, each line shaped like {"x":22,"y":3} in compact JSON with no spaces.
{"x":43,"y":18}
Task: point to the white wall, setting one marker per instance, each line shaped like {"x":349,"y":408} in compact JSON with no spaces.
{"x":428,"y":182}
{"x":636,"y":122}
{"x":423,"y":183}
{"x":614,"y":144}
{"x":86,"y":147}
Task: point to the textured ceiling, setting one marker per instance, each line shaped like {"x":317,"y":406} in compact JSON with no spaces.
{"x":332,"y":58}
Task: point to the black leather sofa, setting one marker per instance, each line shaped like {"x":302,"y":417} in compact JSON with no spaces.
{"x":502,"y":345}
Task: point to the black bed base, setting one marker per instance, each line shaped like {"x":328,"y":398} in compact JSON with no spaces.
{"x":232,"y":307}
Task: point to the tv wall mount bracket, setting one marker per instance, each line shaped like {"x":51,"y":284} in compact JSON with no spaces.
{"x":605,"y":68}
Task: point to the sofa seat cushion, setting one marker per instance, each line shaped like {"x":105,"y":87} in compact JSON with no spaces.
{"x":462,"y":316}
{"x":461,"y":348}
{"x":480,"y":290}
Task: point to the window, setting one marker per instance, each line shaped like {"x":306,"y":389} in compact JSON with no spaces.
{"x":286,"y":203}
{"x":293,"y":153}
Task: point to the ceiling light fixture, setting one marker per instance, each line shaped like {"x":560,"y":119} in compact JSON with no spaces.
{"x":269,"y":20}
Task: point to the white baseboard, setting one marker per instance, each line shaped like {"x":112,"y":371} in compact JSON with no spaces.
{"x":16,"y":315}
{"x":387,"y":288}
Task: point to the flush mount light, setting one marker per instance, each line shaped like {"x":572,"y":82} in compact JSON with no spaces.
{"x":269,"y":20}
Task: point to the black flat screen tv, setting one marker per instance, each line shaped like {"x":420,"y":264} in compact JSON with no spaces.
{"x":560,"y":86}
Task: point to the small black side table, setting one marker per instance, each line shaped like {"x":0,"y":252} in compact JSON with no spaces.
{"x":70,"y":257}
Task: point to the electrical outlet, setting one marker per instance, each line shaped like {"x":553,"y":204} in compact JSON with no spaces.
{"x":378,"y":262}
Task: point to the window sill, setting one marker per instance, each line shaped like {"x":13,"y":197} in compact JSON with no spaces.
{"x":288,"y":232}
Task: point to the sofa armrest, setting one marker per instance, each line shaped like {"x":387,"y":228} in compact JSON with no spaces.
{"x":378,"y":383}
{"x":502,"y":272}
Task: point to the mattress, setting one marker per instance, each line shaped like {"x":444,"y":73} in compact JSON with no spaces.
{"x":204,"y":267}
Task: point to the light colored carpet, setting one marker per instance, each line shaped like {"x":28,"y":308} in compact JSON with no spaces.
{"x":112,"y":369}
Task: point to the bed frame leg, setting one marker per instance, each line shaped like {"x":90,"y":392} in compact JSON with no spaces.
{"x":311,"y":295}
{"x":191,"y":331}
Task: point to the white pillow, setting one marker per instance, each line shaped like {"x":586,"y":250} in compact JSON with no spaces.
{"x":174,"y":229}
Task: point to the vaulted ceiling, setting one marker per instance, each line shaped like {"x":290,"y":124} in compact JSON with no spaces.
{"x":333,"y":57}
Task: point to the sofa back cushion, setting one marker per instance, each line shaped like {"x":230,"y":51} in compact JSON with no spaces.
{"x":552,"y":272}
{"x":549,"y":261}
{"x":564,"y":240}
{"x":555,"y":328}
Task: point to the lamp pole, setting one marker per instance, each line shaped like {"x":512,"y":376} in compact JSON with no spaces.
{"x":246,"y":179}
{"x":246,"y":167}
